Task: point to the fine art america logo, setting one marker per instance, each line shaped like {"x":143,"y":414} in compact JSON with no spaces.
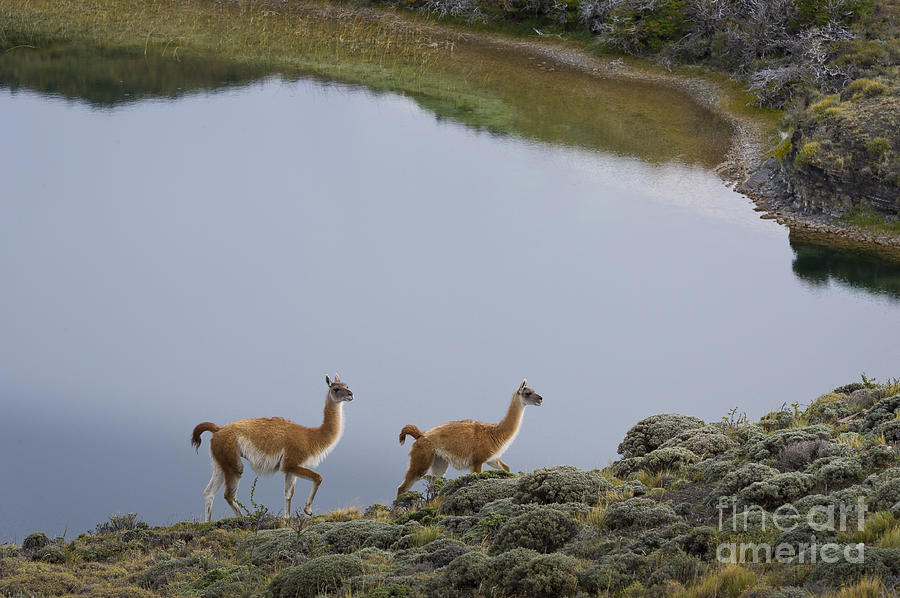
{"x":822,"y":519}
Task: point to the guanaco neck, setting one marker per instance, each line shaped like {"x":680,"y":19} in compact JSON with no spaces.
{"x":332,"y":422}
{"x":509,"y":425}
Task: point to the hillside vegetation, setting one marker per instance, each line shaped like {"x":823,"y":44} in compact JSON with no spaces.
{"x":647,"y":525}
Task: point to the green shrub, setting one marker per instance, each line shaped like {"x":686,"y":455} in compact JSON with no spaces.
{"x":35,"y":541}
{"x":349,"y":536}
{"x":865,"y":88}
{"x":878,"y":147}
{"x":641,"y":27}
{"x":668,"y":458}
{"x":807,"y":153}
{"x":469,"y":499}
{"x":603,"y":578}
{"x":682,"y":568}
{"x":563,"y":484}
{"x":160,"y":574}
{"x":836,"y":471}
{"x":778,"y":489}
{"x":708,"y":441}
{"x":452,"y":486}
{"x":52,"y":553}
{"x":507,"y":566}
{"x":890,"y":430}
{"x":273,"y":546}
{"x":742,"y":477}
{"x":640,"y":512}
{"x":887,"y":496}
{"x":881,"y":412}
{"x":828,"y":408}
{"x":468,"y":571}
{"x":544,"y":529}
{"x":323,"y":574}
{"x":546,"y":576}
{"x":650,"y":433}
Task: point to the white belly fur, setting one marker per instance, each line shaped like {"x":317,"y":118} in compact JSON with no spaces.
{"x":262,"y":463}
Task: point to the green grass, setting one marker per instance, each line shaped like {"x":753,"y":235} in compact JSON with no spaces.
{"x":866,"y":218}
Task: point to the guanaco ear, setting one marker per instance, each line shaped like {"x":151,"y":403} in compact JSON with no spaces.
{"x":524,"y":384}
{"x":327,"y":380}
{"x":337,"y":377}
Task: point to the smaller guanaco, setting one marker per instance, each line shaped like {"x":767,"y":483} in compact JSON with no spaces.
{"x":465,"y":444}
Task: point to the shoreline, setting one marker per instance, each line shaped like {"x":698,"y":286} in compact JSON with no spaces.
{"x":747,"y":153}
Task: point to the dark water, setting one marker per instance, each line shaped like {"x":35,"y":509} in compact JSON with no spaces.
{"x":180,"y":248}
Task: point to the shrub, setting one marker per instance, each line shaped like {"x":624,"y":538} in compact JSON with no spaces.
{"x":741,"y":478}
{"x":828,"y":408}
{"x":562,"y":484}
{"x":877,"y":456}
{"x":697,"y":541}
{"x":887,"y":496}
{"x":881,"y":412}
{"x":798,"y":455}
{"x":878,"y":147}
{"x":506,"y":567}
{"x":641,"y":512}
{"x":470,"y":498}
{"x":35,"y":541}
{"x":323,"y":574}
{"x":604,"y":578}
{"x":835,"y":471}
{"x":52,"y":553}
{"x":777,"y":420}
{"x":777,"y":489}
{"x":119,"y":523}
{"x":350,"y":536}
{"x":546,"y":576}
{"x":468,"y":571}
{"x":807,"y":153}
{"x":682,"y":568}
{"x":865,"y":88}
{"x":708,"y":441}
{"x":768,"y":447}
{"x":650,"y":433}
{"x":163,"y":572}
{"x":452,"y":486}
{"x":671,"y":458}
{"x":890,"y":430}
{"x":711,"y":470}
{"x":544,"y":529}
{"x":832,"y":575}
{"x":272,"y":546}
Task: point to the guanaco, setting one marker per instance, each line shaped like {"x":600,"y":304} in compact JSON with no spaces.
{"x":272,"y":444}
{"x":465,"y":444}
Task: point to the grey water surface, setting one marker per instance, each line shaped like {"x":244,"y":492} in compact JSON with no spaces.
{"x":212,"y":255}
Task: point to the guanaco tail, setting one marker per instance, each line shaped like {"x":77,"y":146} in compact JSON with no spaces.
{"x":272,"y":444}
{"x":465,"y":444}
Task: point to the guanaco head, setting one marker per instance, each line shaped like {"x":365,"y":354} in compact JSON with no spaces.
{"x":337,"y":390}
{"x":527,"y":395}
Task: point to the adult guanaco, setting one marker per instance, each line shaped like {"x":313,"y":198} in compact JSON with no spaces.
{"x":465,"y":444}
{"x":272,"y":444}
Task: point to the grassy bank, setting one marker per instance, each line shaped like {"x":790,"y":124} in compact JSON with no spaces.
{"x":647,"y":525}
{"x":455,"y":75}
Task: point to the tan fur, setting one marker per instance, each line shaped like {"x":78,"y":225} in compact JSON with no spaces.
{"x":272,"y":444}
{"x":465,"y":444}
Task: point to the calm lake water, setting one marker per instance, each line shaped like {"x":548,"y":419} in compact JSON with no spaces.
{"x":208,"y":249}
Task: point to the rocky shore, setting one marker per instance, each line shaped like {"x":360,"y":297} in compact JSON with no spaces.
{"x":803,"y":502}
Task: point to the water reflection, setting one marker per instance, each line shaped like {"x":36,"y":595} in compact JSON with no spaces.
{"x":515,"y":95}
{"x":108,"y":77}
{"x":820,"y":263}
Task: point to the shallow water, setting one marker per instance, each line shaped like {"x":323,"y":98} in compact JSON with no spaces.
{"x":174,"y":254}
